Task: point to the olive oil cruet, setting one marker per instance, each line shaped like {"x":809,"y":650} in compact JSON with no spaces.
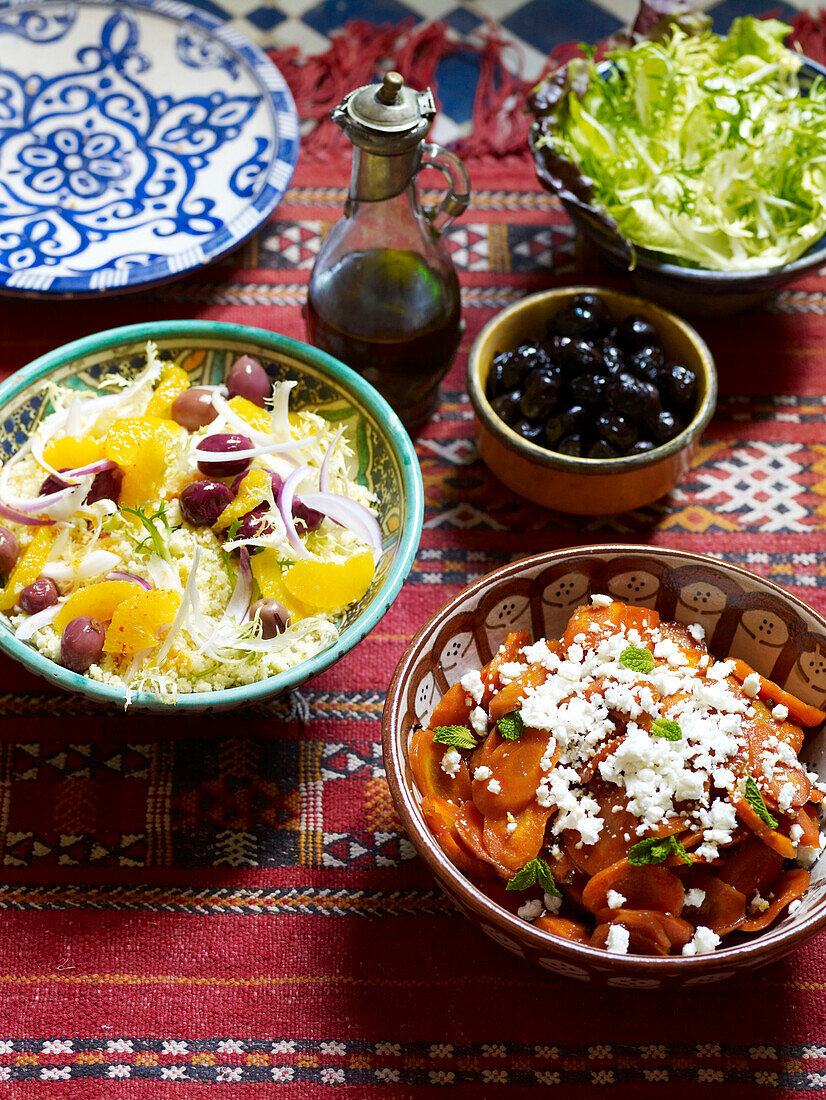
{"x":383,"y":294}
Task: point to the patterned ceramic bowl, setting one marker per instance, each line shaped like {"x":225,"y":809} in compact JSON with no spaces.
{"x":743,"y":616}
{"x":387,"y":463}
{"x":586,"y":486}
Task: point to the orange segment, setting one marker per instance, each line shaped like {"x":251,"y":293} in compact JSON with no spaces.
{"x":142,"y":447}
{"x":98,"y":601}
{"x":137,"y":621}
{"x":253,"y":414}
{"x":327,"y":586}
{"x":251,"y":492}
{"x":270,"y":579}
{"x":73,"y":451}
{"x":28,"y":568}
{"x":173,"y":383}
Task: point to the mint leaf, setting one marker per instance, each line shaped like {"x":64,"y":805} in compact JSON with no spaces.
{"x":511,"y":726}
{"x":755,"y":800}
{"x":665,"y":727}
{"x":458,"y":737}
{"x":657,"y":849}
{"x":637,"y":659}
{"x":537,"y":871}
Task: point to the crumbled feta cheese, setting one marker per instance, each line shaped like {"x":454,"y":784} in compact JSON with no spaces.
{"x":479,"y":720}
{"x":495,"y":787}
{"x":552,"y":903}
{"x":704,"y":661}
{"x":758,"y":904}
{"x":784,"y":799}
{"x":472,"y":683}
{"x":796,"y":834}
{"x":751,"y":685}
{"x":615,"y":899}
{"x":530,"y":910}
{"x":482,"y":772}
{"x":697,"y":631}
{"x":598,"y":600}
{"x":780,"y":712}
{"x":695,"y":898}
{"x":509,"y":671}
{"x":703,"y":943}
{"x":618,"y":940}
{"x":510,"y":828}
{"x":451,"y":762}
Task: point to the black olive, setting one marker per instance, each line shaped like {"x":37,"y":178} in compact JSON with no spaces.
{"x":679,"y":386}
{"x":597,"y":308}
{"x":588,"y":389}
{"x":601,"y":449}
{"x":534,"y":433}
{"x":581,"y":357}
{"x":574,"y":321}
{"x":506,"y":406}
{"x":642,"y":446}
{"x":665,"y":426}
{"x":630,"y":395}
{"x":635,"y":333}
{"x":564,"y":423}
{"x":570,"y":445}
{"x":510,"y":367}
{"x":556,"y":345}
{"x":541,"y":391}
{"x":613,"y":361}
{"x":618,"y":430}
{"x":646,"y":363}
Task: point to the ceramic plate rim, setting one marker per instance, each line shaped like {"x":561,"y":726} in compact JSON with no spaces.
{"x":278,"y":98}
{"x":409,"y":537}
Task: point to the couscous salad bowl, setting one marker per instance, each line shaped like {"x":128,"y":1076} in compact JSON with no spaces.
{"x":190,"y":577}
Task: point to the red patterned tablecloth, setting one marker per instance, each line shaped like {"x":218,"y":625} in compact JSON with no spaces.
{"x":230,"y":902}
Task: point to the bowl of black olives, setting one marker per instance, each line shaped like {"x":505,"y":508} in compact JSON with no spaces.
{"x":590,"y":400}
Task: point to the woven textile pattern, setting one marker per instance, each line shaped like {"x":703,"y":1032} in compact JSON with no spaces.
{"x":230,"y":900}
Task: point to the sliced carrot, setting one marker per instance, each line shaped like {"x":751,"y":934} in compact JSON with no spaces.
{"x":648,"y":887}
{"x":646,"y":935}
{"x":426,"y":763}
{"x":516,"y":767}
{"x":453,"y":709}
{"x":723,"y":908}
{"x":513,"y":850}
{"x":585,"y":614}
{"x":642,"y":619}
{"x":800,"y":712}
{"x":441,"y":819}
{"x":508,"y":652}
{"x":788,"y":888}
{"x":562,"y":927}
{"x":603,"y":752}
{"x":781,"y":844}
{"x":511,"y":696}
{"x":611,"y":845}
{"x":469,"y":825}
{"x":808,"y":821}
{"x":752,"y":866}
{"x":782,"y":775}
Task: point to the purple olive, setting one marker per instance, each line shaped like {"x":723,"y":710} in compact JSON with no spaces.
{"x":247,"y":378}
{"x":202,"y":502}
{"x":272,"y":615}
{"x":106,"y":485}
{"x":224,"y":443}
{"x":9,"y":551}
{"x":38,"y":595}
{"x":254,"y":523}
{"x":82,"y":643}
{"x":193,"y":409}
{"x":308,"y":516}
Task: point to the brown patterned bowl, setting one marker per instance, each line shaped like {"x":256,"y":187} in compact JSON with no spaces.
{"x":743,"y":616}
{"x":586,"y":486}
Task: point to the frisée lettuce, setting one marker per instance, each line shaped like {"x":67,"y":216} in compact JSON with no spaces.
{"x":698,"y":146}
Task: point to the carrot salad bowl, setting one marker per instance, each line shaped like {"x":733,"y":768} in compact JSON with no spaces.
{"x":746,"y":621}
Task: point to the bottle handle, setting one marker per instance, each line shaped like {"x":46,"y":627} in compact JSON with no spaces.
{"x":457,"y":198}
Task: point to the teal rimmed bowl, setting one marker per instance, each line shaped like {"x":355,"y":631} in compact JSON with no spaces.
{"x":387,"y":464}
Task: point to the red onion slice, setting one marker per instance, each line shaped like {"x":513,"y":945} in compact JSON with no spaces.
{"x":349,"y":513}
{"x":286,"y":495}
{"x":324,"y":472}
{"x":239,"y":602}
{"x":252,"y":452}
{"x":117,"y":575}
{"x":21,"y":517}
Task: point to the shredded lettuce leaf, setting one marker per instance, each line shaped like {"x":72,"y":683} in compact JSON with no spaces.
{"x":697,"y":146}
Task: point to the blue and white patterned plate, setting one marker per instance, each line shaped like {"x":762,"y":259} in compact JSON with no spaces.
{"x":139,"y":139}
